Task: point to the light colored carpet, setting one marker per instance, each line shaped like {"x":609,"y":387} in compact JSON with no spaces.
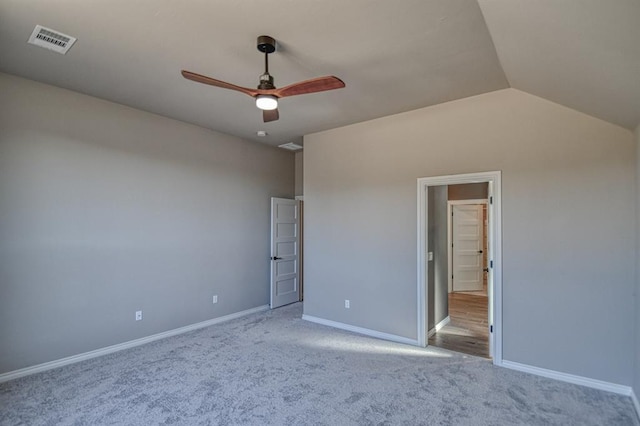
{"x":275,"y":369}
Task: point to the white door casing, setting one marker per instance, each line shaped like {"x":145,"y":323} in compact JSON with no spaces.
{"x":494,"y":231}
{"x":466,"y":246}
{"x":285,"y":275}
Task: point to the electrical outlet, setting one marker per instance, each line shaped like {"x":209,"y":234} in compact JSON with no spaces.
{"x":138,"y":315}
{"x":347,"y":303}
{"x":215,"y":298}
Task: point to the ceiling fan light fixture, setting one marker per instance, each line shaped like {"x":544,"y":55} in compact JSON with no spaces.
{"x":266,"y":94}
{"x":266,"y":102}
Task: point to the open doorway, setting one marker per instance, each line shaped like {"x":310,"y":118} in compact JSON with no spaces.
{"x":467,"y":327}
{"x":459,"y":251}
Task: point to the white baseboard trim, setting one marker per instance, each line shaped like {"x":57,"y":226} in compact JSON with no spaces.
{"x":439,"y":326}
{"x":361,"y":330}
{"x":636,"y":403}
{"x":570,"y":378}
{"x":126,"y":345}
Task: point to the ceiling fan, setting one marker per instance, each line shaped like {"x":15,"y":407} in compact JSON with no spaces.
{"x":267,"y":95}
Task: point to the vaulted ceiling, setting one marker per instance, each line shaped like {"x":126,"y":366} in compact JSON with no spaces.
{"x":393,"y":56}
{"x":584,"y":54}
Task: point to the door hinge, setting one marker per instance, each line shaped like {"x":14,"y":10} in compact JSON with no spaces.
{"x":491,"y":264}
{"x":491,"y":200}
{"x":451,"y":276}
{"x":491,"y":329}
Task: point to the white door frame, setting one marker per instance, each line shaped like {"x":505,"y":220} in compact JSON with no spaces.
{"x":450,"y":205}
{"x":494,"y":179}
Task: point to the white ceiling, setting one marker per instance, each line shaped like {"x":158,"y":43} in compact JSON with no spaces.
{"x":394,"y":56}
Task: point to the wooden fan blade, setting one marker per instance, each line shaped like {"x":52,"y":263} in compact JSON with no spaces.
{"x":314,"y":85}
{"x":217,"y":83}
{"x":270,"y":115}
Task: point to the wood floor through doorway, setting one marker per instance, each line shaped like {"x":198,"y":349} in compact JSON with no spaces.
{"x":468,"y":331}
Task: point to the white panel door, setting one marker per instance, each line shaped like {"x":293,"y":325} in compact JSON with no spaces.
{"x":284,"y":252}
{"x":467,"y":238}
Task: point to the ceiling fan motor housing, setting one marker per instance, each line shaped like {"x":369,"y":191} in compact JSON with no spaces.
{"x":266,"y":82}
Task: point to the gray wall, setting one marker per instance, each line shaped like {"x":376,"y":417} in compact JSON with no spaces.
{"x":637,"y":354}
{"x":105,"y":210}
{"x":440,"y":264}
{"x":299,"y":167}
{"x":438,"y":297}
{"x":569,"y":250}
{"x":431,"y":286}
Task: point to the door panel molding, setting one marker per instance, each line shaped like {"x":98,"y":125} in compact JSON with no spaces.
{"x":285,"y":252}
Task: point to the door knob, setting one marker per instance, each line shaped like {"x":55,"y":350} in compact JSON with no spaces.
{"x":479,"y":251}
{"x":276,"y":258}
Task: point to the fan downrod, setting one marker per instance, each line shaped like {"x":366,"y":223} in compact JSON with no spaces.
{"x":266,"y":44}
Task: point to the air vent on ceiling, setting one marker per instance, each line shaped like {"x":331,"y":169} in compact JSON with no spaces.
{"x":290,"y":146}
{"x":51,"y":39}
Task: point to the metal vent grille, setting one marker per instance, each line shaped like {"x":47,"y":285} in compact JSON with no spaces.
{"x":51,"y":39}
{"x":290,"y":146}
